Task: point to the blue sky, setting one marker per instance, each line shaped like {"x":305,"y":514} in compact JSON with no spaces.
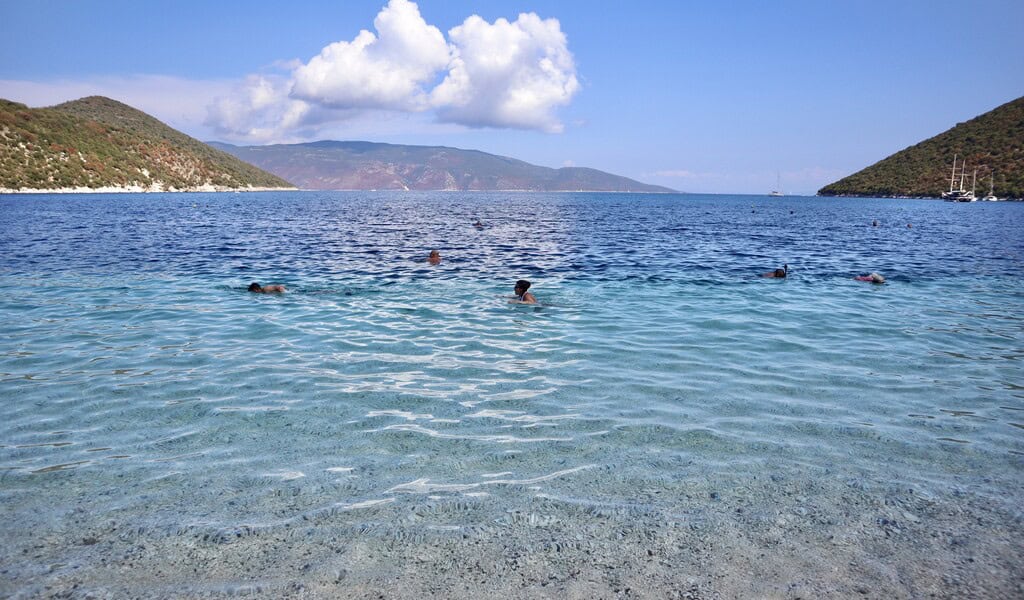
{"x":717,"y":97}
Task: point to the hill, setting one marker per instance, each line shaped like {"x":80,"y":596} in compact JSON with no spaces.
{"x":330,"y":165}
{"x":97,"y":142}
{"x":992,"y":142}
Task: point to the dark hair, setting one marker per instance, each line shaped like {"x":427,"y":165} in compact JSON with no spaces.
{"x":523,"y":284}
{"x":780,"y":272}
{"x":254,"y":287}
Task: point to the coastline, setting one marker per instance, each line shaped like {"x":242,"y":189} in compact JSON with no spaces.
{"x":138,"y":189}
{"x":220,"y":189}
{"x":887,"y":197}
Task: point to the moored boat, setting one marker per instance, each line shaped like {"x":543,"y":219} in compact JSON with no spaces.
{"x":991,"y":189}
{"x":960,"y":194}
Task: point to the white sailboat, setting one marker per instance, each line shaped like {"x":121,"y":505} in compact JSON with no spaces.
{"x":991,"y":189}
{"x":778,"y":186}
{"x":959,"y":194}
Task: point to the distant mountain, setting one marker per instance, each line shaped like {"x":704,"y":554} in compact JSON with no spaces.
{"x":329,"y":165}
{"x":99,"y":143}
{"x":993,"y":143}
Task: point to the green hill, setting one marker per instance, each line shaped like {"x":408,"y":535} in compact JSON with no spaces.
{"x":97,"y":142}
{"x":993,"y":143}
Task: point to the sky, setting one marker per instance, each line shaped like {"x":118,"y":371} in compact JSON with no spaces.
{"x":703,"y":97}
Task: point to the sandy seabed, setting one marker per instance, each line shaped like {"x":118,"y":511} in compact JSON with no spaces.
{"x":751,"y":537}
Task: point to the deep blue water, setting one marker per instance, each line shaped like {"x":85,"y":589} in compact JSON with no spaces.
{"x":137,"y":377}
{"x":300,"y":237}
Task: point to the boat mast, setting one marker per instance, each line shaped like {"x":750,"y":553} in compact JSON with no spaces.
{"x":974,"y":180}
{"x":963,"y":171}
{"x":952,"y":175}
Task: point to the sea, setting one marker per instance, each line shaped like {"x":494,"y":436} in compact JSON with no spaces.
{"x":663,"y":422}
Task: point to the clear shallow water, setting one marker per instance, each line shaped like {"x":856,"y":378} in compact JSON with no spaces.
{"x":141,"y":383}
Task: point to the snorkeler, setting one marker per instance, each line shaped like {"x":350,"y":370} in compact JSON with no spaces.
{"x":266,"y":289}
{"x":434,"y":258}
{"x":522,"y":295}
{"x":780,"y":273}
{"x":872,"y":277}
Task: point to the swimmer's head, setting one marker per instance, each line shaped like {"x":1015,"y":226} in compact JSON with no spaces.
{"x":522,"y":285}
{"x":780,"y":272}
{"x":876,"y":278}
{"x":435,"y":254}
{"x":255,"y":287}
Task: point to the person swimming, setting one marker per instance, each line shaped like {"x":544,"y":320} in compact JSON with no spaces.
{"x":780,"y":273}
{"x":479,"y":224}
{"x":266,"y":289}
{"x":522,"y":295}
{"x":871,"y":277}
{"x":434,"y":258}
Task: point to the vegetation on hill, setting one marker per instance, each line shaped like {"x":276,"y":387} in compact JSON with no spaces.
{"x":993,"y":143}
{"x":331,"y":165}
{"x":98,"y":142}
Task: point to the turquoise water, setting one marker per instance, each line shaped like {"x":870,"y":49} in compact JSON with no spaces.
{"x":143,"y":386}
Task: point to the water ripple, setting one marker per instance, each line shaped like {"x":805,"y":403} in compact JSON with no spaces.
{"x":139,"y":378}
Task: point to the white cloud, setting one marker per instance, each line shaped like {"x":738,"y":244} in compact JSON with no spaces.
{"x":258,"y":110}
{"x":388,"y":70}
{"x":502,"y":74}
{"x":507,"y":74}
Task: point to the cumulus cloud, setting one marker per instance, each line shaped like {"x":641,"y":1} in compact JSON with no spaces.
{"x":388,"y":70}
{"x":507,"y":74}
{"x":258,"y":109}
{"x":502,"y":74}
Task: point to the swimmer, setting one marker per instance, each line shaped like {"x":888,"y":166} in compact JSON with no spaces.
{"x":266,"y":289}
{"x":872,"y":277}
{"x":434,"y":258}
{"x":479,"y":224}
{"x":522,"y":295}
{"x":780,"y":273}
{"x":874,"y":223}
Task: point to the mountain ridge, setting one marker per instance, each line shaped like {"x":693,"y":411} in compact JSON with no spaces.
{"x":363,"y":165}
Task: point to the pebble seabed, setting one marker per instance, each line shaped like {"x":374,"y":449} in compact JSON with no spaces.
{"x":748,"y":537}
